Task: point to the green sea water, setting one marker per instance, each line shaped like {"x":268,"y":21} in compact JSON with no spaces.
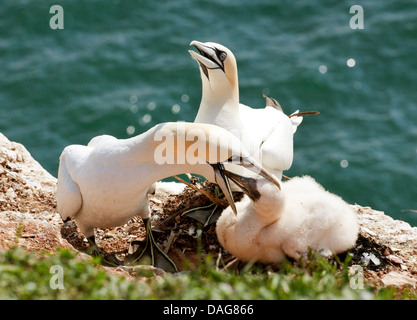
{"x":119,"y":67}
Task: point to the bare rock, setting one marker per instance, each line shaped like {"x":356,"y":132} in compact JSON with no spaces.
{"x":28,"y":215}
{"x":398,"y":237}
{"x":24,"y":185}
{"x":18,"y":162}
{"x":392,"y":243}
{"x":399,"y":279}
{"x":33,"y":234}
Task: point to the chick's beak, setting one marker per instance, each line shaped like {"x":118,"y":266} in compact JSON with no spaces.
{"x":247,"y":184}
{"x":250,"y":164}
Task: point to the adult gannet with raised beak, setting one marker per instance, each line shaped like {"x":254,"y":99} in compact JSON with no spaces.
{"x":266,"y":133}
{"x":106,"y":183}
{"x":272,"y":224}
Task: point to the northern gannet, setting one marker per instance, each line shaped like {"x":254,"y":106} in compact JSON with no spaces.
{"x":273,"y":224}
{"x":266,"y":133}
{"x":106,"y":183}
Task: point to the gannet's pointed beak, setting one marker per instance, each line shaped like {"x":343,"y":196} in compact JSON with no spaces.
{"x":247,"y":184}
{"x":251,"y":165}
{"x":223,"y":182}
{"x":208,"y":57}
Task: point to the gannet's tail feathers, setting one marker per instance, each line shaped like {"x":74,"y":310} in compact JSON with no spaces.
{"x":271,"y":102}
{"x":69,"y":198}
{"x":294,"y":117}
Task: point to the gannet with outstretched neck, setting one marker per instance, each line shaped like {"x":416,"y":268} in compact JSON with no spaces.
{"x":273,"y":224}
{"x":266,"y":133}
{"x":106,"y":183}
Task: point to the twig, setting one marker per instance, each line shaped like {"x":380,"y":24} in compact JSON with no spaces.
{"x":217,"y":201}
{"x":170,"y":241}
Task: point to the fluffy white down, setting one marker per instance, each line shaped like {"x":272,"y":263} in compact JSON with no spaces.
{"x":286,"y":223}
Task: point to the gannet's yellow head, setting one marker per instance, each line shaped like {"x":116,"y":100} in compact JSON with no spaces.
{"x":218,"y":70}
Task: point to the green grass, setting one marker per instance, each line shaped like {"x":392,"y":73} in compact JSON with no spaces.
{"x":317,"y":279}
{"x":28,"y":276}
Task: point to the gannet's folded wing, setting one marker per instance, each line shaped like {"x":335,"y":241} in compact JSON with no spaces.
{"x":269,"y":134}
{"x":277,"y":148}
{"x":103,"y":139}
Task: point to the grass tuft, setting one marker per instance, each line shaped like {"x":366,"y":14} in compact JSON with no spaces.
{"x":28,"y":276}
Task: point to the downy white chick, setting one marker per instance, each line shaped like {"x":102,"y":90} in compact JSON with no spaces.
{"x":273,"y":224}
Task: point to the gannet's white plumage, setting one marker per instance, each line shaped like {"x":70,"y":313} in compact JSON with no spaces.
{"x":105,"y":183}
{"x":286,"y":223}
{"x":266,"y":133}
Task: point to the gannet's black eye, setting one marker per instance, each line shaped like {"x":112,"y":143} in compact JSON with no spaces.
{"x":222,"y":55}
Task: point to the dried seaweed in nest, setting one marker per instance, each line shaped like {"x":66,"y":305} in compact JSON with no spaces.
{"x":189,"y":218}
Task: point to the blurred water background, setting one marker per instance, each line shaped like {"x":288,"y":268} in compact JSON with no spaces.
{"x":119,"y":67}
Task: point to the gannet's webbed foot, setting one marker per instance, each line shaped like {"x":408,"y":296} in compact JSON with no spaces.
{"x":106,"y":259}
{"x":93,"y":249}
{"x":148,"y":252}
